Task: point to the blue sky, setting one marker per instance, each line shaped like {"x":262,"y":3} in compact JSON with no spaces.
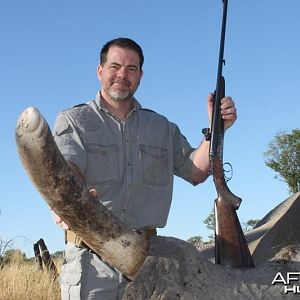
{"x":49,"y":52}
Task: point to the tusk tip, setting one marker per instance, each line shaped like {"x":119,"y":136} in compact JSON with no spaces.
{"x":29,"y":119}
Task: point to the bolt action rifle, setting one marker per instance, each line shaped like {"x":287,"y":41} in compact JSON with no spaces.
{"x":231,"y":247}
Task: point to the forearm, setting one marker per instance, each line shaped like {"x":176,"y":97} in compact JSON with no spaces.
{"x":201,"y":164}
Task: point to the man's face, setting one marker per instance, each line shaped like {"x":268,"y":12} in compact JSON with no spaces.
{"x":120,"y":75}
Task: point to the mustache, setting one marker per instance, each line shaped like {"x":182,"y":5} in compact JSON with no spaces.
{"x":122,"y":81}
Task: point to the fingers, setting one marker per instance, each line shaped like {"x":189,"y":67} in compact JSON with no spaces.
{"x":228,"y":109}
{"x":227,"y":103}
{"x":58,"y":221}
{"x":64,"y":226}
{"x":55,"y":217}
{"x":93,"y":193}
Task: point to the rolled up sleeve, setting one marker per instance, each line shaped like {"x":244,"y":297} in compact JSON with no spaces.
{"x":183,"y":156}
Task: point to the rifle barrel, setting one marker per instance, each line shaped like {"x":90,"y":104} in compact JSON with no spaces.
{"x":217,"y":125}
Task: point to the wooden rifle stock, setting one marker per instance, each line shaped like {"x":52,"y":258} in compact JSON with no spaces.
{"x":231,"y":247}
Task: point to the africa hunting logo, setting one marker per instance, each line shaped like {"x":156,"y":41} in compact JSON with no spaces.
{"x":288,"y":282}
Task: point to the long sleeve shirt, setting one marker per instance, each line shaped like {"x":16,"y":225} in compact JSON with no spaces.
{"x":130,"y":163}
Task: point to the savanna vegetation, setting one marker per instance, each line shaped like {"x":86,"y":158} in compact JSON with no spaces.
{"x":22,"y":278}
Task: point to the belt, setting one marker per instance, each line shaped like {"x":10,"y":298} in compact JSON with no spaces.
{"x":71,"y":236}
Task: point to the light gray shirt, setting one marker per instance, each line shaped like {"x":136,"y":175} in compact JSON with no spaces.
{"x":130,"y":163}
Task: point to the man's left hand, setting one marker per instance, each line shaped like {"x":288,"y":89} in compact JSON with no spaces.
{"x":228,"y":110}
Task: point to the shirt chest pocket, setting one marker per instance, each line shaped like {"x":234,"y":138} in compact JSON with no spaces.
{"x":154,"y":165}
{"x":103,"y":164}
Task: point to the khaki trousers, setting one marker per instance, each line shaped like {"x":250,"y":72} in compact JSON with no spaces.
{"x":85,"y":276}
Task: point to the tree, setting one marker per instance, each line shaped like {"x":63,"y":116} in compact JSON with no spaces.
{"x":249,"y":225}
{"x":195,"y":240}
{"x":283,"y":156}
{"x":210,"y":224}
{"x":13,"y":255}
{"x":210,"y":220}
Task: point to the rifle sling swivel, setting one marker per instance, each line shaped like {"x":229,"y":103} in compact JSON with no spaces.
{"x":207,"y":134}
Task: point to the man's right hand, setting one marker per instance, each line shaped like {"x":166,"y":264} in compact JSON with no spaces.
{"x":57,"y":220}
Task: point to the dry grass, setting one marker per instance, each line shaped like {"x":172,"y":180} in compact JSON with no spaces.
{"x":20,"y":279}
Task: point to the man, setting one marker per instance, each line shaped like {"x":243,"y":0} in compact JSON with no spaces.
{"x":127,"y":156}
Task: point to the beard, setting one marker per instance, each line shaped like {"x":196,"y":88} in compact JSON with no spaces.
{"x":118,"y":96}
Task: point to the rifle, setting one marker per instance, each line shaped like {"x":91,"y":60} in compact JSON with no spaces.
{"x":231,"y":247}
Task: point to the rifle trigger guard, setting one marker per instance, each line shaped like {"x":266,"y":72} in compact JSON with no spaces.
{"x":207,"y":134}
{"x":230,"y":171}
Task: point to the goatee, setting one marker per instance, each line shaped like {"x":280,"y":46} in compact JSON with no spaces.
{"x":118,"y":96}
